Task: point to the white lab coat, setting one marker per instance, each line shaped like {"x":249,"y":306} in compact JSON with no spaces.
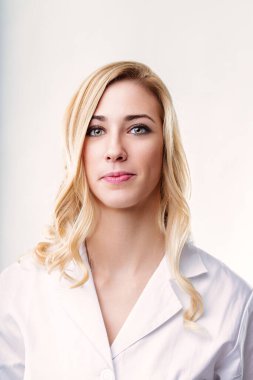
{"x":51,"y":332}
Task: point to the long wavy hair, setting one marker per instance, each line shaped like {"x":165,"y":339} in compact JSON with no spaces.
{"x":75,"y":216}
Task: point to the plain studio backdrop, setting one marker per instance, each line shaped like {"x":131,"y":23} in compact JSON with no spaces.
{"x":203,"y":51}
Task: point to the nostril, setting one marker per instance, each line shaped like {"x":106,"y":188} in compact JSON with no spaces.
{"x":116,"y":157}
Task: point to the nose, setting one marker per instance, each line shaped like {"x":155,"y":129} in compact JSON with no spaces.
{"x":115,"y":151}
{"x":115,"y":156}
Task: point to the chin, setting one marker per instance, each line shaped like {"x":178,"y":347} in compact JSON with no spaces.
{"x":121,"y":203}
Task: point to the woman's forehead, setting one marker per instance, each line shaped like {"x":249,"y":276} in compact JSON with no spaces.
{"x":126,"y":97}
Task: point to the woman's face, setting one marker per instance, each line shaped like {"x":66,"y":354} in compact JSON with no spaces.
{"x":124,"y":135}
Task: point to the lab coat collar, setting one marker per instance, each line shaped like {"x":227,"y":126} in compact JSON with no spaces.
{"x":191,"y":262}
{"x":157,"y":303}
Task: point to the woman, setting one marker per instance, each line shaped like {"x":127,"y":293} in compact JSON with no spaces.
{"x":118,"y":290}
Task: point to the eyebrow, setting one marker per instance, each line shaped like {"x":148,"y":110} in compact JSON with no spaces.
{"x":126,"y":118}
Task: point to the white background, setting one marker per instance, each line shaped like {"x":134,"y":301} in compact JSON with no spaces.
{"x":203,"y":50}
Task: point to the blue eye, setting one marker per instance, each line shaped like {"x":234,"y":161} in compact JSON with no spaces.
{"x":141,"y":127}
{"x":92,"y":129}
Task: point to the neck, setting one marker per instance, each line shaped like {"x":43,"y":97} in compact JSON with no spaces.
{"x":125,"y":241}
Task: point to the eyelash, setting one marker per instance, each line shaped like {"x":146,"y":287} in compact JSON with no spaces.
{"x":142,"y":126}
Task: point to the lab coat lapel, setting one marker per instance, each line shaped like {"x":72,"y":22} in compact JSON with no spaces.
{"x":82,"y":305}
{"x":158,"y":302}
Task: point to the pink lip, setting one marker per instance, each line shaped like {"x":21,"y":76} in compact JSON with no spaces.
{"x":118,"y":179}
{"x":116,"y":174}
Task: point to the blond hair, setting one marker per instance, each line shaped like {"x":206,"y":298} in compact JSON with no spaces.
{"x":75,"y":216}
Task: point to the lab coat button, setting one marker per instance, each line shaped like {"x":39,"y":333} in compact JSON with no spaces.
{"x":107,"y":374}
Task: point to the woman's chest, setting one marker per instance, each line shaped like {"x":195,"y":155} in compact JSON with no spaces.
{"x":163,"y":354}
{"x":67,"y":329}
{"x":116,"y":304}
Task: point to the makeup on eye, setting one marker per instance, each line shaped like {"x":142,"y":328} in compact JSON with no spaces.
{"x":136,"y":126}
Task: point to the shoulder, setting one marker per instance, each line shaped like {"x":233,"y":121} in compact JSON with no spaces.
{"x":25,"y":264}
{"x":222,"y":276}
{"x":221,"y":288}
{"x":19,"y":277}
{"x":228,"y":314}
{"x":227,"y":297}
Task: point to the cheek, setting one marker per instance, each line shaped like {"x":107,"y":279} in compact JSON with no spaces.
{"x":91,"y":153}
{"x":88,"y":152}
{"x":89,"y":161}
{"x":153,"y":156}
